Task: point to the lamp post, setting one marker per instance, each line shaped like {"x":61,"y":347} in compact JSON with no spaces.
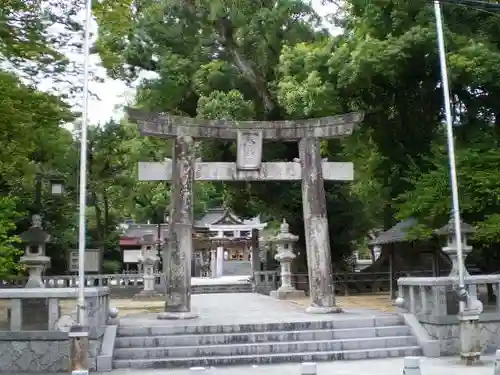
{"x":56,"y":187}
{"x":35,"y":238}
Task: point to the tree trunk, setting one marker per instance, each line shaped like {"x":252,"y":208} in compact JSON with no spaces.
{"x":99,"y":225}
{"x":105,"y":228}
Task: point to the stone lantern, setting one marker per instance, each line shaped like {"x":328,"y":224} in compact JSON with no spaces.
{"x":149,"y":261}
{"x":451,"y":244}
{"x":34,"y":258}
{"x":470,"y":333}
{"x":285,"y":242}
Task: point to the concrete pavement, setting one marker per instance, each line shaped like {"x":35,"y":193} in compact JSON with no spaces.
{"x":391,"y":366}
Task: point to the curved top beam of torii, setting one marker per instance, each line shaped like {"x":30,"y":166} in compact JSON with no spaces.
{"x":168,"y":126}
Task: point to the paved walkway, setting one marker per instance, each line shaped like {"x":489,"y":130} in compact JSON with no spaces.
{"x":392,"y":366}
{"x":244,"y":308}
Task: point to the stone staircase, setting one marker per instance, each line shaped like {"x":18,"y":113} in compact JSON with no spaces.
{"x":188,"y":346}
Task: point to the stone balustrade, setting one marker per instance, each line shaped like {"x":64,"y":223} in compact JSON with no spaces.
{"x":34,"y":326}
{"x":71,"y":281}
{"x":345,"y":283}
{"x":431,"y":303}
{"x":50,"y":305}
{"x":433,"y":300}
{"x":265,"y":281}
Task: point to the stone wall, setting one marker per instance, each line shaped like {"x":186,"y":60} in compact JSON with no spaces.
{"x":448,"y":336}
{"x":41,"y":352}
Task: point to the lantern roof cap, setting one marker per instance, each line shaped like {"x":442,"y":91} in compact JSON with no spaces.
{"x":450,"y":228}
{"x":35,"y":234}
{"x":284,"y":235}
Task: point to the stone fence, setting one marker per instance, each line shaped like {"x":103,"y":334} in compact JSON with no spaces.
{"x":432,"y":301}
{"x":127,"y":285}
{"x":119,"y":285}
{"x":347,"y":283}
{"x":34,"y":327}
{"x":50,"y":305}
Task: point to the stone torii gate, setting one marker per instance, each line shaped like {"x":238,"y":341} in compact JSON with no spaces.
{"x":184,"y":169}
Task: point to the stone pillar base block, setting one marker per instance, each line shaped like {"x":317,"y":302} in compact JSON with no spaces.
{"x":308,"y":368}
{"x":287,"y":294}
{"x":470,"y":342}
{"x":324,"y":310}
{"x":177,"y":315}
{"x":470,"y":359}
{"x":144,"y":295}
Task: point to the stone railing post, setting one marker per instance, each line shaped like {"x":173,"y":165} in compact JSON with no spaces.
{"x":411,"y":366}
{"x":308,"y":368}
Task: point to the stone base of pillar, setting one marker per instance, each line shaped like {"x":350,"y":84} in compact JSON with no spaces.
{"x":78,"y":349}
{"x":324,"y":309}
{"x":145,"y":295}
{"x":287,"y":293}
{"x":177,"y":315}
{"x":470,"y":344}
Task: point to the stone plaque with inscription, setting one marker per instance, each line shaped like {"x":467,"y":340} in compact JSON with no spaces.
{"x":249,"y":154}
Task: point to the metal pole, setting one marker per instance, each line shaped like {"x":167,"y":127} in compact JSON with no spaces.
{"x":83,"y":169}
{"x":451,"y":148}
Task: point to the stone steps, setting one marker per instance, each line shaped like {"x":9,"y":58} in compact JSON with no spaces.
{"x":267,"y":358}
{"x":265,"y":348}
{"x":186,"y":346}
{"x":221,"y":288}
{"x":337,"y":324}
{"x":256,"y":337}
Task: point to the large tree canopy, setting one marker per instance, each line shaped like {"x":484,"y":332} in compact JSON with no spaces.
{"x":260,"y":60}
{"x":227,"y":60}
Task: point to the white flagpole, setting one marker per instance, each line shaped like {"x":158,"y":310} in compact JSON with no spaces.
{"x":83,"y":168}
{"x":451,"y":149}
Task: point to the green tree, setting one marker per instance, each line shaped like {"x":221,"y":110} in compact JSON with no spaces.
{"x":223,"y":60}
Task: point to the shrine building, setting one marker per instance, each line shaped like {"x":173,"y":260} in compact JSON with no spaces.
{"x":222,"y":242}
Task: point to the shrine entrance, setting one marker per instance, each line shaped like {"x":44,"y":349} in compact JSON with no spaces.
{"x":184,"y":169}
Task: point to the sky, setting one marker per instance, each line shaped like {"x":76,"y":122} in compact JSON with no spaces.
{"x":113,"y":95}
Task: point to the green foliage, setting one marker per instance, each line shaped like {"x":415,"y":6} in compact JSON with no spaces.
{"x":225,"y":106}
{"x":259,"y":60}
{"x":9,"y":249}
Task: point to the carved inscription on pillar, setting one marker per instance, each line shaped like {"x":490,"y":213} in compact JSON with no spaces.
{"x":249,"y":153}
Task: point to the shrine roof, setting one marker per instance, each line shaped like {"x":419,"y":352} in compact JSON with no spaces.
{"x":137,"y":231}
{"x":216,"y":216}
{"x":398,"y":233}
{"x":223,"y":216}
